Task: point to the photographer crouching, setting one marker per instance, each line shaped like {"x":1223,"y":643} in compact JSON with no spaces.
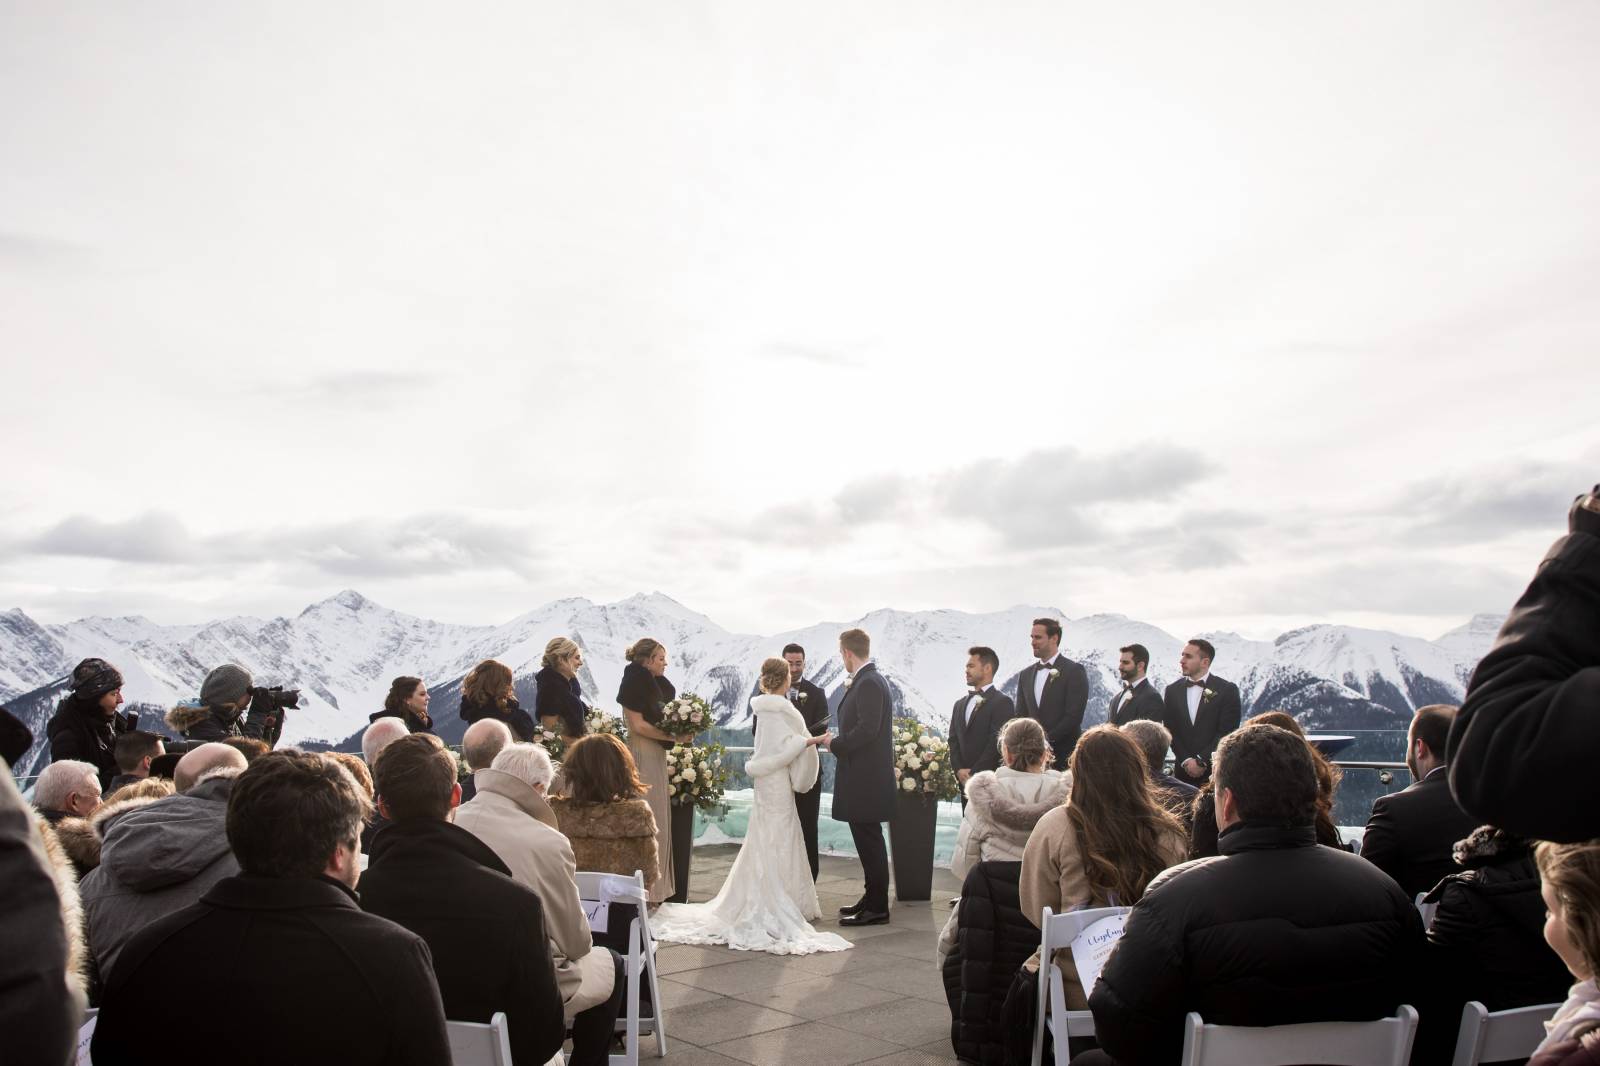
{"x":231,"y":706}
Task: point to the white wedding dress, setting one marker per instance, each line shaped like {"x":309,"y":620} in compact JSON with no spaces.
{"x":768,"y":900}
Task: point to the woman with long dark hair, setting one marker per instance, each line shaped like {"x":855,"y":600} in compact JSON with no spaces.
{"x":487,"y":692}
{"x":408,"y":701}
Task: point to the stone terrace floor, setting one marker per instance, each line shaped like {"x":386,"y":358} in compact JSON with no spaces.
{"x":880,"y":1002}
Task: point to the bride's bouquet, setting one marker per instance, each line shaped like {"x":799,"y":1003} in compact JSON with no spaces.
{"x":686,"y":714}
{"x":697,"y":776}
{"x":922,"y":761}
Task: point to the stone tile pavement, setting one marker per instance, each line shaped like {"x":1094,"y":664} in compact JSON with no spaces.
{"x":880,"y":1002}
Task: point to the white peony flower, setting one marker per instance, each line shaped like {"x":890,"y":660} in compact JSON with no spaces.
{"x":703,"y":767}
{"x":908,"y":784}
{"x":926,"y":741}
{"x":688,"y":774}
{"x":914,"y":762}
{"x":933,"y":767}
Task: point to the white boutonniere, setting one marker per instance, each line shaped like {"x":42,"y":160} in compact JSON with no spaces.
{"x":1206,"y":695}
{"x":800,"y":697}
{"x":1054,"y":673}
{"x":847,"y":681}
{"x":977,"y":700}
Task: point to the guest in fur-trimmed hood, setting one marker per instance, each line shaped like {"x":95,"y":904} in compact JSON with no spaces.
{"x":1004,"y":805}
{"x":80,"y":837}
{"x":66,"y":879}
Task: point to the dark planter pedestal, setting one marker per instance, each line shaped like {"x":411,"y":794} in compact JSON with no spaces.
{"x":682,"y":850}
{"x":911,"y":846}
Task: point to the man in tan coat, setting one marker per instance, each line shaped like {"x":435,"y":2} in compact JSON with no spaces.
{"x":509,"y":813}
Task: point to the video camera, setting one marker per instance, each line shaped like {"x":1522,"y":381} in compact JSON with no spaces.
{"x":266,"y":710}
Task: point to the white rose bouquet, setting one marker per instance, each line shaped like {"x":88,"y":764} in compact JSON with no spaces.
{"x":686,"y":714}
{"x":922,"y":761}
{"x":697,"y":775}
{"x":598,"y":721}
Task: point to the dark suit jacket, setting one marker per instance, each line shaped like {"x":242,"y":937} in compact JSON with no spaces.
{"x":863,"y":785}
{"x":1411,"y":833}
{"x":1218,"y":716}
{"x":814,"y":709}
{"x":1061,"y":710}
{"x":975,"y":745}
{"x":1145,"y":702}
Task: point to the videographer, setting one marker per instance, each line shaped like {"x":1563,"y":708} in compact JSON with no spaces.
{"x":86,"y":724}
{"x":226,"y":695}
{"x":1527,"y":736}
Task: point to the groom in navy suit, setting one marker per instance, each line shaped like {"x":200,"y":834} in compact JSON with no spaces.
{"x":863,"y":786}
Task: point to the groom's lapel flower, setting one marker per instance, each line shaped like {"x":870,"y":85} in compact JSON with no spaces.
{"x":1206,"y":695}
{"x":1054,"y":673}
{"x":847,"y":681}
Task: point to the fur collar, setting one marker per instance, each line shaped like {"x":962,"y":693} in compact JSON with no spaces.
{"x":66,"y":879}
{"x":1000,"y":805}
{"x":185,"y":716}
{"x":769,"y":706}
{"x":626,"y":818}
{"x":80,"y":838}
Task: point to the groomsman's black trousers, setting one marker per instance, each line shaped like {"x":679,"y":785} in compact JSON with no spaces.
{"x":806,"y":805}
{"x":874,"y":856}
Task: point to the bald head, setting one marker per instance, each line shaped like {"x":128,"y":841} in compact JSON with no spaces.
{"x":380,"y":735}
{"x":204,"y":759}
{"x":483,"y":740}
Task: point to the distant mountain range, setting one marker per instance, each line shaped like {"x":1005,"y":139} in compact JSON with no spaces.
{"x":343,"y":651}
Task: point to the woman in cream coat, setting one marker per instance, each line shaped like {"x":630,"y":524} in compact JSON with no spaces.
{"x":768,"y":900}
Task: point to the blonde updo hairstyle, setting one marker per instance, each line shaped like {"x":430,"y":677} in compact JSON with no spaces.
{"x":1023,"y":743}
{"x":559,"y":650}
{"x":642,"y":650}
{"x":774,"y":676}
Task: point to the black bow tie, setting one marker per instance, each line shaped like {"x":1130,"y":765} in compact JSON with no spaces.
{"x":1193,"y":683}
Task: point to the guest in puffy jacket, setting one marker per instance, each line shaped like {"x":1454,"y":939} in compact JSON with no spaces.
{"x":1203,"y":827}
{"x":603,"y":814}
{"x":220,"y":712}
{"x":990,"y":946}
{"x":86,"y":724}
{"x":1100,"y":849}
{"x":1486,"y":942}
{"x":1570,"y":884}
{"x":559,"y":702}
{"x":488,"y":691}
{"x":407,"y":701}
{"x":1275,"y":930}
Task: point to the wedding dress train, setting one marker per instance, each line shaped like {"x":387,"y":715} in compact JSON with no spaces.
{"x":769,"y":899}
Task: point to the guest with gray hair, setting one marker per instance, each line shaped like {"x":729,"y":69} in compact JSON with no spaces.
{"x":67,"y":789}
{"x":483,"y":740}
{"x":511,"y":816}
{"x":1155,"y":741}
{"x":378,"y":735}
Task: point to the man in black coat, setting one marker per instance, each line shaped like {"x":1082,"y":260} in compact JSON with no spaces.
{"x":863,"y":787}
{"x":1527,"y":738}
{"x":1137,"y":698}
{"x":1053,"y":691}
{"x":977,"y":718}
{"x":1200,"y":709}
{"x":1275,"y":930}
{"x":294,"y":970}
{"x":812,"y":703}
{"x":86,"y":725}
{"x":1411,"y":834}
{"x":491,"y":952}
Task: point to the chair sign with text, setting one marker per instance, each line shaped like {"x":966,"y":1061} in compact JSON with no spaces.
{"x":1092,"y":947}
{"x":598,"y":913}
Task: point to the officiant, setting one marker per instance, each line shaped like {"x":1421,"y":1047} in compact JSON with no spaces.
{"x":812,"y":703}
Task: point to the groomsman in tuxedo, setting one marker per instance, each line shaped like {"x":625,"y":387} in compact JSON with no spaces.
{"x":1201,"y":709}
{"x":1137,"y":698}
{"x":863,"y":784}
{"x":1053,"y":691}
{"x":977,"y":718}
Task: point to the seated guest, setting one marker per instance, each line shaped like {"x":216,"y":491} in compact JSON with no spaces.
{"x":65,"y":791}
{"x":490,"y":951}
{"x":1275,"y":930}
{"x":163,"y":766}
{"x":358,"y":770}
{"x":510,"y":815}
{"x":1570,"y":886}
{"x":602,"y":814}
{"x":163,"y":856}
{"x":133,"y":751}
{"x":1411,"y":834}
{"x":408,"y":701}
{"x":378,"y":735}
{"x":283,"y":948}
{"x":1486,"y":942}
{"x":559,"y":702}
{"x":80,"y":838}
{"x":252,"y":748}
{"x":1154,"y":741}
{"x":488,"y":691}
{"x":479,"y":745}
{"x":1103,"y":846}
{"x":1203,"y":827}
{"x":1003,"y":806}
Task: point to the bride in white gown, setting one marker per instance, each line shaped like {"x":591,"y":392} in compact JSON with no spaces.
{"x":769,"y":899}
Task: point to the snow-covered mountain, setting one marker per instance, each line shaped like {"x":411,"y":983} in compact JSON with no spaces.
{"x":343,"y":651}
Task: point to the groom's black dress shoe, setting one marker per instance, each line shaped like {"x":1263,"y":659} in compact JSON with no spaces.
{"x":854,"y":908}
{"x":865,"y":917}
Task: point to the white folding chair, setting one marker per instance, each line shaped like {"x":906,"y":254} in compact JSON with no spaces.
{"x":615,"y":888}
{"x":480,"y":1044}
{"x":1385,"y":1042}
{"x":1496,"y":1036}
{"x":1058,"y":931}
{"x":1427,"y":911}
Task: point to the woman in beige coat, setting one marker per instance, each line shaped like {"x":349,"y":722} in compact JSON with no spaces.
{"x":1103,"y":846}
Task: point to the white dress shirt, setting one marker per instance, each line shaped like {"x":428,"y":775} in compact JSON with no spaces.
{"x":1125,"y":695}
{"x":1194,"y":694}
{"x":1040,"y":677}
{"x":966,"y":712}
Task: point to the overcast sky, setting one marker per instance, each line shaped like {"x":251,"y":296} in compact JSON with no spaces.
{"x":1219,"y":316}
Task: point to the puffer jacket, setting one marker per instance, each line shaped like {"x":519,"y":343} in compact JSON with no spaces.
{"x":79,"y":730}
{"x":613,"y":838}
{"x":991,"y":942}
{"x":1277,"y":929}
{"x":202,"y":724}
{"x":81,"y":837}
{"x":1003,"y":806}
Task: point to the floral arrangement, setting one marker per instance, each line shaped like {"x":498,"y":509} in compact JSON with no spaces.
{"x":922,"y":761}
{"x":697,"y":775}
{"x":594,"y":720}
{"x":686,"y":714}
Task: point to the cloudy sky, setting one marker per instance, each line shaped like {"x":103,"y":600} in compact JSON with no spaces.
{"x":1219,"y":316}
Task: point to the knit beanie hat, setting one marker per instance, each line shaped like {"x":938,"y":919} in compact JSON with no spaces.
{"x":226,"y":684}
{"x":93,"y":678}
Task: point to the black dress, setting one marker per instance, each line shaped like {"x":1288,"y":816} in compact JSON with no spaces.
{"x":512,"y":714}
{"x":560,"y":697}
